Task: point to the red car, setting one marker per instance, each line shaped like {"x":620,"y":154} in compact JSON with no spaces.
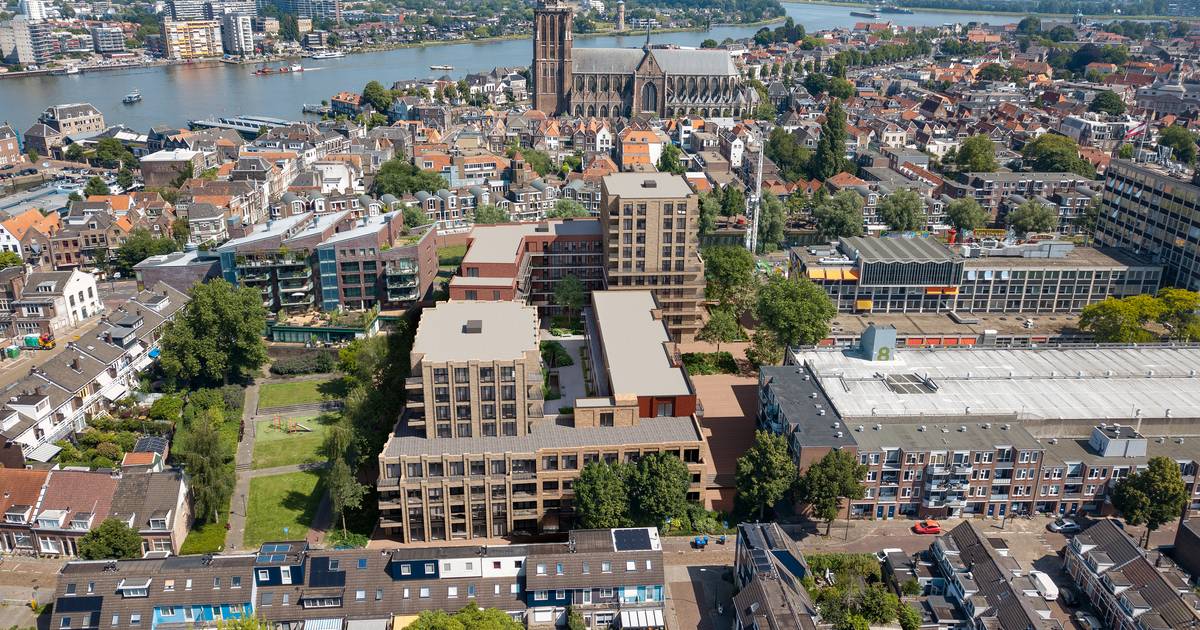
{"x":928,"y":526}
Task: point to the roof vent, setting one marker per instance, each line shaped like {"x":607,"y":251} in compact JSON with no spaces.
{"x":1179,"y":440}
{"x":839,"y":434}
{"x":987,"y":425}
{"x":922,"y":428}
{"x":473,"y":327}
{"x":812,"y":395}
{"x":1006,"y":426}
{"x":649,"y":183}
{"x":859,"y":428}
{"x":962,"y":428}
{"x":836,"y":425}
{"x":820,"y":412}
{"x":878,"y":426}
{"x":1054,"y":440}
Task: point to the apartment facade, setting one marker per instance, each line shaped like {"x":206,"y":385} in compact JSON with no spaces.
{"x":1150,"y":212}
{"x":10,"y":146}
{"x":51,"y":302}
{"x":477,"y":454}
{"x":990,"y":189}
{"x":191,"y":39}
{"x":651,"y":241}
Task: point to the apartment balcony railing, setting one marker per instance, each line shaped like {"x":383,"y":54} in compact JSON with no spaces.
{"x":295,"y":285}
{"x":401,"y":282}
{"x":298,"y":300}
{"x":296,"y":274}
{"x":251,"y":278}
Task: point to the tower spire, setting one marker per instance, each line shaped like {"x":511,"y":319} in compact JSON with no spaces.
{"x":646,"y":46}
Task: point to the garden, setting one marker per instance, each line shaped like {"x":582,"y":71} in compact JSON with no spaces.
{"x":282,"y":502}
{"x":849,"y":591}
{"x":288,"y":393}
{"x":284,"y":441}
{"x":706,"y":363}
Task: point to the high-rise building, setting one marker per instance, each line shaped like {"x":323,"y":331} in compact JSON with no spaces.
{"x":35,"y":10}
{"x":185,"y":10}
{"x":326,"y":9}
{"x":214,"y":9}
{"x":108,"y":39}
{"x":237,"y":33}
{"x":1153,"y":213}
{"x":25,"y":41}
{"x":191,"y":39}
{"x":651,"y":242}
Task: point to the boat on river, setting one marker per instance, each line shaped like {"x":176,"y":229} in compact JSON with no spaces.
{"x":132,"y":97}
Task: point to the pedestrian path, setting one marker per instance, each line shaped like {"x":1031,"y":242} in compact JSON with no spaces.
{"x":239,"y":504}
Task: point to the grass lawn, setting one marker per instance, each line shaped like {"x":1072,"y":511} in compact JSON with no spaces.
{"x":451,"y":256}
{"x":207,"y":538}
{"x":299,"y":392}
{"x":281,"y":501}
{"x":701,"y":363}
{"x":276,"y":447}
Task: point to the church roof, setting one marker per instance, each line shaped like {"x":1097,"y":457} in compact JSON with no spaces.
{"x":673,"y":61}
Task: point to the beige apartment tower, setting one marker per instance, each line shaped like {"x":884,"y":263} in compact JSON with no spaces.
{"x":652,"y":242}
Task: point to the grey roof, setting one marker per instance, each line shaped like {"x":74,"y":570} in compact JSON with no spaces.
{"x":646,"y":185}
{"x":502,"y":243}
{"x":142,"y":495}
{"x":874,"y":249}
{"x":634,"y":349}
{"x":975,"y":437}
{"x":799,"y":402}
{"x":550,"y":435}
{"x":673,"y":61}
{"x":508,"y":331}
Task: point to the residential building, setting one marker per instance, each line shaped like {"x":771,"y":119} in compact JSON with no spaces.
{"x":191,"y":39}
{"x":1187,"y":547}
{"x":768,"y":570}
{"x":23,"y":487}
{"x":477,"y":453}
{"x":989,"y":189}
{"x":47,"y":135}
{"x":1130,"y":588}
{"x":88,"y":227}
{"x":108,"y":39}
{"x":10,"y":146}
{"x":157,"y":505}
{"x":72,"y":503}
{"x":165,"y":168}
{"x":651,"y":240}
{"x":25,"y":41}
{"x":1148,"y":211}
{"x":237,"y":34}
{"x":922,"y":275}
{"x":180,"y":270}
{"x":49,"y":303}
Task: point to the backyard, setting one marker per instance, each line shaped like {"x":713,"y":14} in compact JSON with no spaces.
{"x":282,"y":501}
{"x":207,"y":538}
{"x":289,"y":441}
{"x":299,"y":392}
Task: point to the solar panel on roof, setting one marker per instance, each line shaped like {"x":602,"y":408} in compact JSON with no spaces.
{"x":762,"y":562}
{"x":631,"y":539}
{"x":78,"y":604}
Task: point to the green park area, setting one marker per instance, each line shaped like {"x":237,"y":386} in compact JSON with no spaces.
{"x":288,"y":441}
{"x":299,"y":392}
{"x":282,"y":501}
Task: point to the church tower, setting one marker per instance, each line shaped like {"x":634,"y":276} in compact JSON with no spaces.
{"x":551,"y":72}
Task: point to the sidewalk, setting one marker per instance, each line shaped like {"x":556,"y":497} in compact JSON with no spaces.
{"x":240,"y":501}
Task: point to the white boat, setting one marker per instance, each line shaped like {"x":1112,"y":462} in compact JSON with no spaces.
{"x":441,"y":67}
{"x":67,"y":70}
{"x":329,"y":54}
{"x":132,"y":97}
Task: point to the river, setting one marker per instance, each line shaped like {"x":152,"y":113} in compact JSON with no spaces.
{"x":173,"y":95}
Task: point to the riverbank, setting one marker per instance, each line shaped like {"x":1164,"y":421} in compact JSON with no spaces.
{"x":1017,"y":14}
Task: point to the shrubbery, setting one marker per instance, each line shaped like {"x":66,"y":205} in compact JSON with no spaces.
{"x":316,"y":362}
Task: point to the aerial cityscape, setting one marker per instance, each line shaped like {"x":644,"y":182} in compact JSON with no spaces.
{"x":599,"y":314}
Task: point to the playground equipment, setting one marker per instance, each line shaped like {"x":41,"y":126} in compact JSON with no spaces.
{"x":288,"y":426}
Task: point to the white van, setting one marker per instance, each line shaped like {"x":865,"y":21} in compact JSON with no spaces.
{"x":1045,"y":586}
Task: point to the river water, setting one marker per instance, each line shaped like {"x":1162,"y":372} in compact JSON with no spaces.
{"x":173,"y":95}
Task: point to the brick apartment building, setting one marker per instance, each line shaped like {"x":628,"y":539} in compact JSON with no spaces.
{"x":990,"y":189}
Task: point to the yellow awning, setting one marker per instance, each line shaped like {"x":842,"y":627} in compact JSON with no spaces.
{"x":864,"y":305}
{"x":933,"y":290}
{"x":816,"y":274}
{"x":852,"y":274}
{"x":951,"y":291}
{"x":399,"y":622}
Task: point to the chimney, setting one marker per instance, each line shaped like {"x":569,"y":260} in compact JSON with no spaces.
{"x":649,"y":183}
{"x":473,"y":327}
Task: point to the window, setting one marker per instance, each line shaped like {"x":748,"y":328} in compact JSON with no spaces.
{"x":606,"y":419}
{"x":335,"y":564}
{"x":70,"y":589}
{"x":430,"y":568}
{"x":405,"y":593}
{"x":452,"y":592}
{"x":66,"y":622}
{"x":514,"y":588}
{"x":217,"y":582}
{"x":135,"y":619}
{"x":558,"y":569}
{"x":540,"y":596}
{"x":630,"y":565}
{"x":560,"y":594}
{"x":267,"y":599}
{"x":378,"y":594}
{"x":606,"y":567}
{"x":116,"y":621}
{"x":263,"y":575}
{"x":362,"y":563}
{"x":406,"y":569}
{"x":541,"y":569}
{"x":470,"y":590}
{"x":424,"y":592}
{"x":360,"y":595}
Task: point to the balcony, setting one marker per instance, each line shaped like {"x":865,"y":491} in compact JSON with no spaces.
{"x":401,"y":281}
{"x":297,"y":300}
{"x":413,"y":381}
{"x":252,"y":278}
{"x":400,"y":267}
{"x":401,"y":295}
{"x":289,"y":286}
{"x":296,"y":274}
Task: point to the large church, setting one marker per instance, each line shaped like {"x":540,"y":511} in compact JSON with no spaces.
{"x":612,"y":82}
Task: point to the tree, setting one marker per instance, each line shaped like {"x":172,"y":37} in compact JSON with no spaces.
{"x":139,"y":246}
{"x":76,"y":153}
{"x":834,"y":477}
{"x":112,"y":540}
{"x":110,"y":153}
{"x":903,"y":211}
{"x":659,"y":486}
{"x":909,"y":618}
{"x":1085,"y":222}
{"x":1153,"y":496}
{"x":830,"y":157}
{"x":10,"y":259}
{"x":722,"y":326}
{"x":1181,"y":141}
{"x":567,"y":209}
{"x":377,"y":96}
{"x":570,"y":294}
{"x":1052,"y":153}
{"x":734,"y":202}
{"x":765,"y":473}
{"x":470,"y":618}
{"x":1107,"y":102}
{"x":125,"y":178}
{"x":1033,"y":216}
{"x":95,"y":187}
{"x":414,"y":216}
{"x":245,"y":622}
{"x":729,"y":273}
{"x":574,"y":619}
{"x":1178,"y":313}
{"x":966,"y":215}
{"x":217,"y":338}
{"x":839,"y":215}
{"x":33,"y":156}
{"x":1121,"y":320}
{"x":180,"y":230}
{"x":795,"y":309}
{"x":770,"y":223}
{"x":345,"y":492}
{"x":487,"y":214}
{"x":1029,"y":26}
{"x":788,"y":154}
{"x":601,"y":496}
{"x":205,"y":454}
{"x":710,"y":207}
{"x":400,"y":177}
{"x":670,"y":161}
{"x":764,"y":349}
{"x":539,"y":161}
{"x":1125,"y":151}
{"x":976,"y":155}
{"x":709,"y":43}
{"x":992,"y":72}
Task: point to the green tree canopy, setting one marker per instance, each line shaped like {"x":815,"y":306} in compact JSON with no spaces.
{"x":710,"y":206}
{"x":734,"y":201}
{"x":539,"y":161}
{"x":95,"y":187}
{"x":400,"y":177}
{"x":414,"y":216}
{"x":1154,"y":496}
{"x":1180,"y":313}
{"x":470,"y":618}
{"x":830,"y":157}
{"x":567,"y":209}
{"x":10,"y":259}
{"x":570,"y":293}
{"x":840,"y":215}
{"x":659,"y":484}
{"x":834,"y":477}
{"x":125,"y":178}
{"x":377,"y":96}
{"x":1032,"y":216}
{"x":770,"y":223}
{"x":764,"y":349}
{"x":205,"y":455}
{"x":721,"y":327}
{"x":488,"y":214}
{"x":140,"y":245}
{"x":966,"y":215}
{"x":110,"y":153}
{"x":1107,"y":102}
{"x":765,"y":473}
{"x":729,"y":272}
{"x":976,"y":155}
{"x":1052,"y":153}
{"x":671,"y":160}
{"x":601,"y":496}
{"x":903,"y":210}
{"x":345,"y":492}
{"x":217,"y":337}
{"x":112,"y":540}
{"x":788,"y":154}
{"x":1121,"y":320}
{"x":1181,"y":141}
{"x":795,"y":309}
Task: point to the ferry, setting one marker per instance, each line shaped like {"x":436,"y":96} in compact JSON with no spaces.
{"x":132,"y":97}
{"x":864,"y":14}
{"x":67,"y":70}
{"x":245,"y":125}
{"x":329,"y":54}
{"x":441,"y":67}
{"x":263,"y":71}
{"x":895,"y":9}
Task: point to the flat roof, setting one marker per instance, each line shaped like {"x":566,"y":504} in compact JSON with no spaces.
{"x":508,"y":330}
{"x":502,"y":243}
{"x":1093,"y":383}
{"x":1076,"y":258}
{"x":482,"y":281}
{"x":277,"y":227}
{"x":940,"y":324}
{"x":370,"y":225}
{"x":973,"y":436}
{"x":175,"y":259}
{"x":633,"y":345}
{"x":897,"y":249}
{"x":632,"y":185}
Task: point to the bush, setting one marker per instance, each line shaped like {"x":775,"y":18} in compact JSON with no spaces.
{"x":846,"y":565}
{"x":347,"y":540}
{"x":701,"y":363}
{"x":911,"y":588}
{"x":309,"y":363}
{"x":555,"y":355}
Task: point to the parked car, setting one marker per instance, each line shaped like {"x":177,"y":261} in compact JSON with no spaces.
{"x":29,"y":171}
{"x":1086,"y":621}
{"x":6,"y":167}
{"x":928,"y":526}
{"x":1064,"y":526}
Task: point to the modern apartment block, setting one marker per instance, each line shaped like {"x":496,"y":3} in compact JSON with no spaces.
{"x":652,"y":242}
{"x":990,"y":189}
{"x":525,"y":261}
{"x":1129,"y":587}
{"x":332,"y":261}
{"x":480,"y":453}
{"x":611,"y":577}
{"x":1155,"y":214}
{"x":921,"y":275}
{"x":191,"y":39}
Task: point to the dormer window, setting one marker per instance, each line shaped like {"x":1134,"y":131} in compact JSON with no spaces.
{"x":134,"y":588}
